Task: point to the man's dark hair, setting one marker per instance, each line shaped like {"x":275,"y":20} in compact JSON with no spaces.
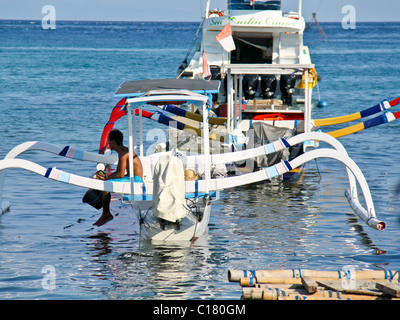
{"x":117,"y":136}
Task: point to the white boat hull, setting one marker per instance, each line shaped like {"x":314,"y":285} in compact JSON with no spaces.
{"x":154,"y":229}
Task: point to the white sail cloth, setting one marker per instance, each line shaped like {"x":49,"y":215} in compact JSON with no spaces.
{"x":169,"y":189}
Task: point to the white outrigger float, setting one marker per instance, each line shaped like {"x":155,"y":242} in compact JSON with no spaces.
{"x":168,"y":207}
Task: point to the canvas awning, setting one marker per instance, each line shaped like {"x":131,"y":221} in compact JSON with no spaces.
{"x":138,"y":87}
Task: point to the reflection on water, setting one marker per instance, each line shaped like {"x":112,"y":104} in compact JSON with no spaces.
{"x":304,"y":224}
{"x":269,"y":225}
{"x":163,"y":271}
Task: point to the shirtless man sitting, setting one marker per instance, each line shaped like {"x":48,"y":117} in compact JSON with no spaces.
{"x":115,"y":139}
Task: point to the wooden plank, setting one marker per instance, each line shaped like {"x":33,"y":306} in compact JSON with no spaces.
{"x":320,"y":295}
{"x":309,"y":284}
{"x":331,"y":284}
{"x":362,"y":287}
{"x":390,"y":288}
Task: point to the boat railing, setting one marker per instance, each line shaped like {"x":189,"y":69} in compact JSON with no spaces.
{"x":256,"y":5}
{"x":235,"y":74}
{"x":267,"y":68}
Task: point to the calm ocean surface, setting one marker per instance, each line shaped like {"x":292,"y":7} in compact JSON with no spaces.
{"x":57,"y":86}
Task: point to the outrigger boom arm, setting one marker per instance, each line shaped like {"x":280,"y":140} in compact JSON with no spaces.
{"x":339,"y":154}
{"x":67,"y":151}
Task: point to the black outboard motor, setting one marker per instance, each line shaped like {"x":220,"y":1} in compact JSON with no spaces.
{"x":215,"y":75}
{"x":268,"y":86}
{"x":288,"y":81}
{"x":250,"y":86}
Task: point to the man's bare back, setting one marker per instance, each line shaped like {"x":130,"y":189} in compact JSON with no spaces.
{"x":115,"y":143}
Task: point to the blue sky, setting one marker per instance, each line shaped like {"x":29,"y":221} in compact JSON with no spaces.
{"x":185,"y":10}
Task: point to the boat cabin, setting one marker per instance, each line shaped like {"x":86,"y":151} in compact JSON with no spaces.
{"x":264,"y":75}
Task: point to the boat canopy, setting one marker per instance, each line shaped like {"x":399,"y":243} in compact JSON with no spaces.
{"x":254,"y":5}
{"x":139,"y":87}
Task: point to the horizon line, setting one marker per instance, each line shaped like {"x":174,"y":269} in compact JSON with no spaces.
{"x":166,"y":21}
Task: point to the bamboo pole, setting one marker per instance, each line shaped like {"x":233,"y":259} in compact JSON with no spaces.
{"x":236,"y":275}
{"x":246,"y":282}
{"x":299,"y":284}
{"x":290,"y":294}
{"x":281,"y":286}
{"x":320,"y":295}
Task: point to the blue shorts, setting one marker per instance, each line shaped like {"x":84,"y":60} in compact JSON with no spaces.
{"x":127,"y":179}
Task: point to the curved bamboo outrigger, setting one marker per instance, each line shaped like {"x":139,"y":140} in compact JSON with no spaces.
{"x":144,"y":190}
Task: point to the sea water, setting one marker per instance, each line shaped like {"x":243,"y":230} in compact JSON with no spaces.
{"x":57,"y":86}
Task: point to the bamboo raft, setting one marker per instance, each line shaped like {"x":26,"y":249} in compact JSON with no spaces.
{"x":301,"y":284}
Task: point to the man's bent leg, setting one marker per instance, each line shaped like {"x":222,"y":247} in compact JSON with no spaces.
{"x":106,"y":215}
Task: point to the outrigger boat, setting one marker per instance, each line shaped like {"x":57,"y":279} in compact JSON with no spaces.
{"x":168,"y":207}
{"x":272,"y":137}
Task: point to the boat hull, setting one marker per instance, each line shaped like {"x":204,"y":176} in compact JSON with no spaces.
{"x":190,"y":227}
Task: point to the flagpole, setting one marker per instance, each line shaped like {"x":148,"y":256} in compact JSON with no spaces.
{"x":207,"y":13}
{"x":300,"y":8}
{"x":228,"y":44}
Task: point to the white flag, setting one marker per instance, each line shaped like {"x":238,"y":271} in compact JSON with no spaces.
{"x":225,"y":38}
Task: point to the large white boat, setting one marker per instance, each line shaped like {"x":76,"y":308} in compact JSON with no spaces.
{"x":266,"y":76}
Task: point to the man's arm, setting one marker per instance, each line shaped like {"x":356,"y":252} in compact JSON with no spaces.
{"x":121,"y":167}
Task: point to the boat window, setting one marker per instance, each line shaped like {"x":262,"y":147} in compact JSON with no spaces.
{"x":252,"y":49}
{"x":254,"y":5}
